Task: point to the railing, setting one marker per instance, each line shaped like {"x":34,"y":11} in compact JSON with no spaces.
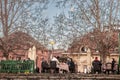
{"x":12,"y":66}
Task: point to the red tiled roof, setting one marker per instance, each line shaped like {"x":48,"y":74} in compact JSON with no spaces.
{"x":20,"y":40}
{"x":91,"y":43}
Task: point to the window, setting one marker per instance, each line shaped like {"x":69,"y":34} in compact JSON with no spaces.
{"x":84,"y":49}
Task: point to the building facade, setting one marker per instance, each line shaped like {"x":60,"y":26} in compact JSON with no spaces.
{"x":84,"y":60}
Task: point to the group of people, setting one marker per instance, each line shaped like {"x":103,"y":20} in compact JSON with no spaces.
{"x":56,"y":66}
{"x":97,"y":66}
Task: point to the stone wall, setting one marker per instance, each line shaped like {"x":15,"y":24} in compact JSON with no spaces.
{"x":58,"y":77}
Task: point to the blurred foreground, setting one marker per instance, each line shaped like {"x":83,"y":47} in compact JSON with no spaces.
{"x":48,"y":76}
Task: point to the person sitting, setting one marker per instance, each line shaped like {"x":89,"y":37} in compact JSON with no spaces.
{"x":71,"y":65}
{"x":96,"y":65}
{"x":63,"y":67}
{"x":44,"y":66}
{"x":54,"y":65}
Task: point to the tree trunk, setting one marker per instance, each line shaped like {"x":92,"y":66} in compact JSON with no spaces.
{"x":103,"y":58}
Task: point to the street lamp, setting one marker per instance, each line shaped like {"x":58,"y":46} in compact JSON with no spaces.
{"x":52,"y":43}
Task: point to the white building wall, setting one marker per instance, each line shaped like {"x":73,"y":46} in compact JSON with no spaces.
{"x":84,"y":60}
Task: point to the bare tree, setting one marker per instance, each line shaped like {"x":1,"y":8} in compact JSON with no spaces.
{"x":12,"y":18}
{"x":99,"y":17}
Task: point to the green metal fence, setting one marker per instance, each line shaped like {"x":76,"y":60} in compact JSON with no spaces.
{"x":12,"y":66}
